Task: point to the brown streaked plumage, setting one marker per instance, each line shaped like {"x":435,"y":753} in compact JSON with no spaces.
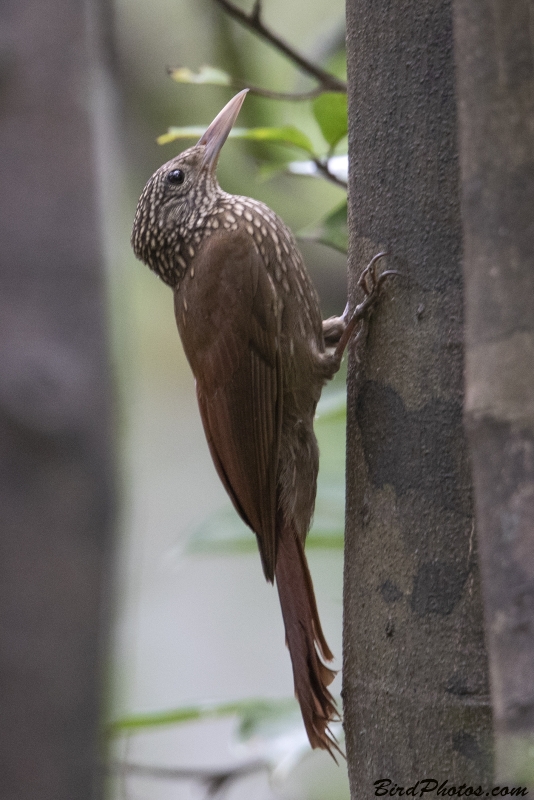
{"x":250,"y":324}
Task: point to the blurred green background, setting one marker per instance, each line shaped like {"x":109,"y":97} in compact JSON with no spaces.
{"x":195,"y":621}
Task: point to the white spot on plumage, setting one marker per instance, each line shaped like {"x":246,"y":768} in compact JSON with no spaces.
{"x":272,"y":284}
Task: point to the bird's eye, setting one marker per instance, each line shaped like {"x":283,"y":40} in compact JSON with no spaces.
{"x":176,"y":177}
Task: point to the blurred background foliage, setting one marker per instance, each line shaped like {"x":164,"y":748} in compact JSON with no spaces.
{"x":199,"y":637}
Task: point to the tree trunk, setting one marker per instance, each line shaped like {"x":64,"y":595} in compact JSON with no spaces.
{"x":415,"y":678}
{"x":495,"y":64}
{"x":55,"y":461}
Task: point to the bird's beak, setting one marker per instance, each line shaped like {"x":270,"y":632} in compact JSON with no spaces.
{"x":218,"y":131}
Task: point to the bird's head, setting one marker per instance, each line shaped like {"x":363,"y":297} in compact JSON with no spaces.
{"x":180,"y":194}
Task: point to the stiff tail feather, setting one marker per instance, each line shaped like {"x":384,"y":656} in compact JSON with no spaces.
{"x":305,"y":640}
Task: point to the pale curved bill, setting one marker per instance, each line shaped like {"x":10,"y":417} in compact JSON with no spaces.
{"x":218,"y":131}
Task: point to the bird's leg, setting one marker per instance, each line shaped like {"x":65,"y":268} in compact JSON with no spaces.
{"x":338,"y":330}
{"x":333,"y":328}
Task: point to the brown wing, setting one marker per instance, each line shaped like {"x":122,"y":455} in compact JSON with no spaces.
{"x":229,"y":321}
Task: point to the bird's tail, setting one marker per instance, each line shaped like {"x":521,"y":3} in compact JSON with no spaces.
{"x":305,"y":640}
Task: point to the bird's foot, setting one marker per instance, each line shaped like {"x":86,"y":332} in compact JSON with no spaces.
{"x":371,"y":283}
{"x":333,"y":328}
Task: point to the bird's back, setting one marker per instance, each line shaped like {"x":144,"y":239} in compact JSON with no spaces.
{"x":248,"y":283}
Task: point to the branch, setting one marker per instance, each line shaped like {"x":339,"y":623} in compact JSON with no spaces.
{"x":253,"y":21}
{"x":260,"y":92}
{"x":214,"y":780}
{"x":236,"y":83}
{"x":323,"y":168}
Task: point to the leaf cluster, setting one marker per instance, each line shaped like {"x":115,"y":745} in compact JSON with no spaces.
{"x":328,"y":105}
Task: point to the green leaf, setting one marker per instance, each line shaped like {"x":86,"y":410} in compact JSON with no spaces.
{"x":332,"y":230}
{"x":252,"y":713}
{"x":332,"y":408}
{"x":269,"y":169}
{"x":206,"y":74}
{"x":188,"y":132}
{"x":222,"y":532}
{"x":329,"y":518}
{"x":288,"y":135}
{"x":330,"y":111}
{"x":268,"y":717}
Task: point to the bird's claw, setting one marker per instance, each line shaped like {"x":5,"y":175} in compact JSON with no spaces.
{"x":369,"y":274}
{"x":369,"y":281}
{"x":371,"y":284}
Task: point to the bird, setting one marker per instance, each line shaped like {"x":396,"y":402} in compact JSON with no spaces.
{"x":251,"y":328}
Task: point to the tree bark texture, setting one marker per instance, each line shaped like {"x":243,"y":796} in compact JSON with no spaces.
{"x":415,"y":677}
{"x":495,"y":68}
{"x":55,"y":461}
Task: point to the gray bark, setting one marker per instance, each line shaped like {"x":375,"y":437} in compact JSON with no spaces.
{"x":415,"y":678}
{"x":495,"y":67}
{"x":55,"y":462}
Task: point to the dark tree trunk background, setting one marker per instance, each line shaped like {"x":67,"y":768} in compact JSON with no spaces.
{"x":495,"y":62}
{"x":415,"y":678}
{"x":55,"y":443}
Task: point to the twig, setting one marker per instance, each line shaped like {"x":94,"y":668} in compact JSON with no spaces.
{"x":214,"y":780}
{"x":323,"y":167}
{"x":260,"y":92}
{"x":253,"y":21}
